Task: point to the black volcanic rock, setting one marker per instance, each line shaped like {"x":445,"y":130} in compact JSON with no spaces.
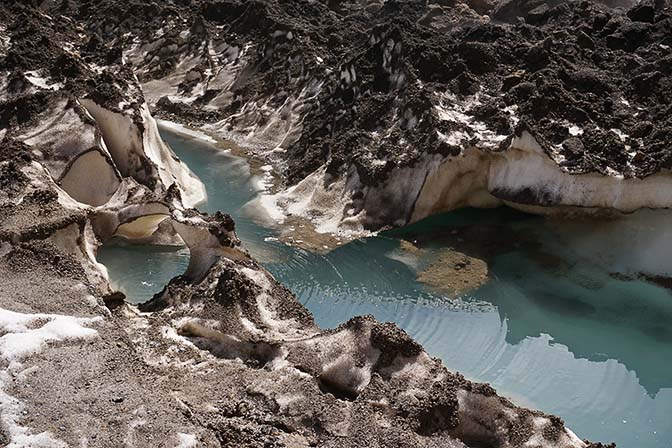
{"x":644,"y":11}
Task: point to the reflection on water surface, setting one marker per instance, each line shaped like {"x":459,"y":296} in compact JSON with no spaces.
{"x":557,"y":326}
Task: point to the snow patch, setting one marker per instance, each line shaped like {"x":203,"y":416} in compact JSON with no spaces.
{"x":575,"y":131}
{"x":185,"y":131}
{"x":621,"y":135}
{"x":27,"y":334}
{"x":186,"y":440}
{"x":325,"y":204}
{"x":282,"y":328}
{"x":21,"y":436}
{"x":485,"y":418}
{"x":456,"y":110}
{"x":43,"y":83}
{"x":24,"y":335}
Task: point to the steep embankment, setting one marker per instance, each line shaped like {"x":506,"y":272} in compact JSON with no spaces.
{"x":382,"y":113}
{"x":224,"y":355}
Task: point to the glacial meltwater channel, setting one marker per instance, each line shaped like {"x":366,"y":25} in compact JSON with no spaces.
{"x":562,"y":325}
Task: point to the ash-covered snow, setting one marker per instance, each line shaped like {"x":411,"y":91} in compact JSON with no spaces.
{"x":26,"y":334}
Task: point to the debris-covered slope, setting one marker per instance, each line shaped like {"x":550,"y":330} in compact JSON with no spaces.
{"x":224,"y":355}
{"x":401,"y":109}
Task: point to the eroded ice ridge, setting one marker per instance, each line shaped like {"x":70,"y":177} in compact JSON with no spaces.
{"x":384,"y":114}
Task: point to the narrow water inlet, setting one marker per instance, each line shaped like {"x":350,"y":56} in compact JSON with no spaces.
{"x":144,"y":269}
{"x":563,"y":323}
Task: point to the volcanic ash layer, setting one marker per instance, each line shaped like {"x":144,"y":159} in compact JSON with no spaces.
{"x":224,"y":355}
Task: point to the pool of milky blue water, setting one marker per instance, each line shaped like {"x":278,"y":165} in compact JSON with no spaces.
{"x":555,"y":328}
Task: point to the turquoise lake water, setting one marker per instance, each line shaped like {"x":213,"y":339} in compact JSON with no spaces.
{"x":555,"y":328}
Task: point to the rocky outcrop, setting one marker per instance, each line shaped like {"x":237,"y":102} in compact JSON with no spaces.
{"x":224,"y":355}
{"x":360,"y":382}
